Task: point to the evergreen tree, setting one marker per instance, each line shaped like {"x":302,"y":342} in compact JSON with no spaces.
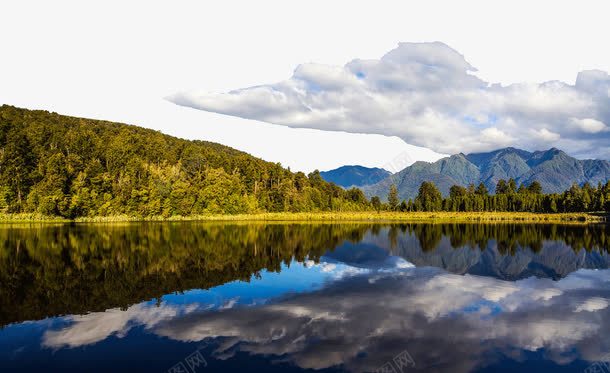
{"x":457,"y":191}
{"x":535,"y":188}
{"x":501,"y":187}
{"x":17,"y":165}
{"x":481,"y":190}
{"x":512,"y":186}
{"x":393,"y":198}
{"x":429,"y":197}
{"x":403,"y":206}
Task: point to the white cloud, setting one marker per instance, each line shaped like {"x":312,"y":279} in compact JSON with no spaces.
{"x":427,"y":94}
{"x":589,"y":125}
{"x":545,"y":135}
{"x":493,"y":135}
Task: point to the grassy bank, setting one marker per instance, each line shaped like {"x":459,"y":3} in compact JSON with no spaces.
{"x":30,"y":217}
{"x":413,"y":216}
{"x":332,"y":216}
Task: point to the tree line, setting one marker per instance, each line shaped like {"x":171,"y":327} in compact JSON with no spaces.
{"x":507,"y":198}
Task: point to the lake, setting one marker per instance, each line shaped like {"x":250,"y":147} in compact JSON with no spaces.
{"x":274,"y":297}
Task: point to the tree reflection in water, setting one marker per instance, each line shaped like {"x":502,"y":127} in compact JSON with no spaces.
{"x":50,"y":270}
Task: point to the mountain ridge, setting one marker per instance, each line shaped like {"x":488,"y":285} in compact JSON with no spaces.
{"x":553,"y":168}
{"x":355,"y":175}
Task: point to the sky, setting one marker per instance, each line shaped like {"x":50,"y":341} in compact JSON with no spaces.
{"x":120,"y":61}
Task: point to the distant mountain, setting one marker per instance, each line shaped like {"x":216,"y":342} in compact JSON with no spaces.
{"x":347,"y":176}
{"x":555,"y":170}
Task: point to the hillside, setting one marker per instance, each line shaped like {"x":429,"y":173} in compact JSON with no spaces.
{"x":73,"y":167}
{"x":348,"y":176}
{"x":555,"y":170}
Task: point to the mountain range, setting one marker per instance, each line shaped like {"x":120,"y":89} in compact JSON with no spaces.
{"x":554,"y":169}
{"x":358,"y":176}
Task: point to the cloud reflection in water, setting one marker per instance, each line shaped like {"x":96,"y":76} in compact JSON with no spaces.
{"x":362,"y":318}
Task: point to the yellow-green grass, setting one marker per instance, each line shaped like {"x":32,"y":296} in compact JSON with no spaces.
{"x":333,"y":216}
{"x":30,"y":217}
{"x":413,"y":216}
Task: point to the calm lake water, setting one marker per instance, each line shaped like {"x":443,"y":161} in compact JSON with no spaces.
{"x":218,"y":297}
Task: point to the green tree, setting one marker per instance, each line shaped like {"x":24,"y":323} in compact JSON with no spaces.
{"x":535,"y":187}
{"x":512,"y":186}
{"x":403,"y":206}
{"x":17,"y":165}
{"x":481,"y":190}
{"x":376,"y":203}
{"x":501,"y":187}
{"x":393,"y":197}
{"x":356,"y":195}
{"x":429,"y":197}
{"x":457,"y":191}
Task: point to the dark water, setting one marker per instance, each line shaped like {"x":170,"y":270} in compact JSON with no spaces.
{"x":195,"y":297}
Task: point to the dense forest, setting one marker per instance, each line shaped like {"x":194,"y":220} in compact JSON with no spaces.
{"x":71,"y":167}
{"x":507,"y":197}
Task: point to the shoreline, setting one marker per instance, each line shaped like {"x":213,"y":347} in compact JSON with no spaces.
{"x":384,"y":216}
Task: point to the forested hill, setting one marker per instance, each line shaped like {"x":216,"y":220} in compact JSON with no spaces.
{"x":71,"y":167}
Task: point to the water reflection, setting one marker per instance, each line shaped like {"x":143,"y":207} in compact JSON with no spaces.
{"x":447,"y":322}
{"x":347,"y":297}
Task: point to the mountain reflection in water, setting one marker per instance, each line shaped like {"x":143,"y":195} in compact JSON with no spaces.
{"x":286,"y":297}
